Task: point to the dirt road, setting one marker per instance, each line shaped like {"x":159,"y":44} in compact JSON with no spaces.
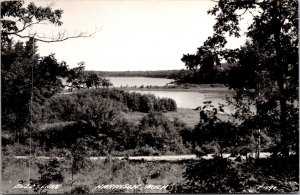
{"x":155,"y":158}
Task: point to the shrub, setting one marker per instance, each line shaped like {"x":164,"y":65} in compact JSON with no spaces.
{"x":158,"y":132}
{"x":77,"y":107}
{"x":217,"y":175}
{"x":50,"y":172}
{"x":146,"y":103}
{"x":167,"y":104}
{"x":145,"y":151}
{"x":133,"y":101}
{"x":81,"y":189}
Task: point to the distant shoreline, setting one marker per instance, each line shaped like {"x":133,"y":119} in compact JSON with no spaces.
{"x":175,"y":89}
{"x":179,"y":89}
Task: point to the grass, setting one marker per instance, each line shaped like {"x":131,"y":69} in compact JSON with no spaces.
{"x":14,"y":170}
{"x":189,"y":116}
{"x":108,"y":171}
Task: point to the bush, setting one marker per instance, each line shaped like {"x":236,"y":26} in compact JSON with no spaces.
{"x":217,"y":175}
{"x":145,"y":151}
{"x":74,"y":107}
{"x":50,"y":172}
{"x":221,"y":175}
{"x":158,"y":132}
{"x":81,"y":189}
{"x":133,"y":101}
{"x":167,"y":104}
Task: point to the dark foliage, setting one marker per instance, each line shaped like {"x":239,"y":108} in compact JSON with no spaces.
{"x":134,"y":101}
{"x":265,"y":80}
{"x":213,"y":176}
{"x":27,"y":78}
{"x":97,"y":106}
{"x":220,"y":175}
{"x":153,"y":135}
{"x":50,"y":172}
{"x":155,"y":74}
{"x":81,"y":189}
{"x":159,"y":133}
{"x":17,"y":66}
{"x":77,"y":107}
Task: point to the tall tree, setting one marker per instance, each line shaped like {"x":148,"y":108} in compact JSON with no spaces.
{"x":25,"y":76}
{"x":93,"y":80}
{"x":266,"y":71}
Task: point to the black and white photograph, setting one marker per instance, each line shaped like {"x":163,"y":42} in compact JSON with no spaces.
{"x":149,"y":96}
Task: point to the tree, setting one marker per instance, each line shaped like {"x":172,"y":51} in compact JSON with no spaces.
{"x":18,"y":65}
{"x":76,"y":77}
{"x":27,"y":77}
{"x":106,"y":83}
{"x":215,"y":136}
{"x":205,"y":58}
{"x":50,"y":172}
{"x":17,"y":19}
{"x":266,"y":67}
{"x":80,"y":152}
{"x":93,"y":80}
{"x":264,"y":76}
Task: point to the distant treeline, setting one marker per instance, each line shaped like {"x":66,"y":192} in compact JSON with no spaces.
{"x":220,"y":74}
{"x":154,"y":74}
{"x":217,"y":75}
{"x":200,"y":77}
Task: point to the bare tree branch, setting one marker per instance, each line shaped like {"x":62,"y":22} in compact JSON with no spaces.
{"x":251,"y":13}
{"x":243,"y":12}
{"x":24,"y":27}
{"x":61,"y":36}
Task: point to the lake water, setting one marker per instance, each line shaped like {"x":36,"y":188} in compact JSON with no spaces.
{"x":183,"y":99}
{"x":138,"y":81}
{"x":193,"y":99}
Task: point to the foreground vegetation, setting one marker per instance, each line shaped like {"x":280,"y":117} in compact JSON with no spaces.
{"x":94,"y":173}
{"x":262,"y":176}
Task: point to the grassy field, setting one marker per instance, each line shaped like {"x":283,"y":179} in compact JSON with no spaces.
{"x":189,"y":116}
{"x":109,"y":171}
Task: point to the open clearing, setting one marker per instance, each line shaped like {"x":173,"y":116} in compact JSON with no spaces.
{"x":189,"y":116}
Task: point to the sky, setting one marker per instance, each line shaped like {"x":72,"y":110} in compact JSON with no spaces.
{"x":131,"y":34}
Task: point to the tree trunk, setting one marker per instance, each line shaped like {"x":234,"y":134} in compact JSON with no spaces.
{"x":72,"y":174}
{"x":283,"y":118}
{"x":281,"y":68}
